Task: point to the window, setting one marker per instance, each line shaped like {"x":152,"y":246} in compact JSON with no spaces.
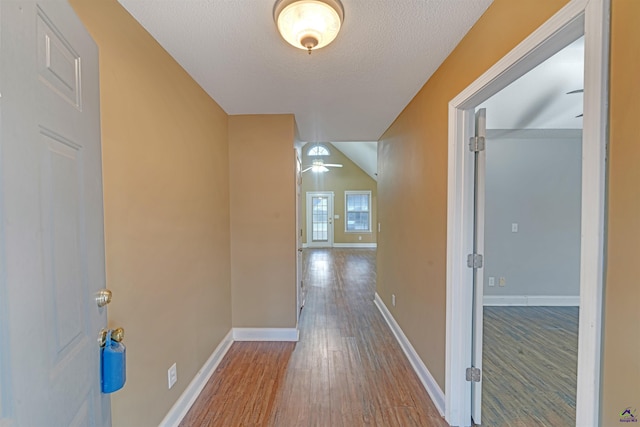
{"x":357,"y":211}
{"x":318,"y":150}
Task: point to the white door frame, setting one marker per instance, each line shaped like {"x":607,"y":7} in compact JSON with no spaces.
{"x":330,"y":218}
{"x":298,"y":189}
{"x":591,"y":18}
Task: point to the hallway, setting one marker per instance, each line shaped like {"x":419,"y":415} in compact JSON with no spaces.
{"x":346,"y":370}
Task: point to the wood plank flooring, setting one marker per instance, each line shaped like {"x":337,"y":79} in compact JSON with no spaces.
{"x":529,"y":366}
{"x":346,"y":370}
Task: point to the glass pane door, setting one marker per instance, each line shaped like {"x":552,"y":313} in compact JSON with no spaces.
{"x":320,"y":219}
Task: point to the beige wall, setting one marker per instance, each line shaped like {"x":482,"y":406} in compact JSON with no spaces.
{"x":166,"y":201}
{"x":621,"y":381}
{"x":263,"y":231}
{"x":339,"y":180}
{"x":166,"y":177}
{"x":412,"y":179}
{"x":412,"y":194}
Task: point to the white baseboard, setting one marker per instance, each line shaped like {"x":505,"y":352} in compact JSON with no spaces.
{"x":266,"y":334}
{"x":193,"y":390}
{"x":345,"y":245}
{"x":429,"y":383}
{"x":355,"y":245}
{"x":307,"y":245}
{"x":524,"y":300}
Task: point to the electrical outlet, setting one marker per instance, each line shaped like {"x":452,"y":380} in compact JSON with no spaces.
{"x":172,"y":375}
{"x":514,"y":227}
{"x":503,"y":281}
{"x":492,"y":281}
{"x":359,"y":237}
{"x":393,"y":300}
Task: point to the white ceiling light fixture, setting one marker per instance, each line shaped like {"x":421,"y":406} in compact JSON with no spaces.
{"x":319,"y":166}
{"x":308,"y":24}
{"x":319,"y":169}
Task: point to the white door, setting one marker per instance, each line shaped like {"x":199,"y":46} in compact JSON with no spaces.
{"x":320,"y":219}
{"x":51,"y":218}
{"x":300,"y":291}
{"x":478,"y":248}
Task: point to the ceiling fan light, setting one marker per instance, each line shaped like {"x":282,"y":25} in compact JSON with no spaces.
{"x":319,"y":169}
{"x":308,"y":24}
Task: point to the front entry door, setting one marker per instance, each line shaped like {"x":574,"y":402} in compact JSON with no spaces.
{"x":320,"y":219}
{"x":51,"y":219}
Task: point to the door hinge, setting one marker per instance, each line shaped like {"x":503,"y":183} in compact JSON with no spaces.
{"x":474,"y":374}
{"x":476,"y":143}
{"x":474,"y":261}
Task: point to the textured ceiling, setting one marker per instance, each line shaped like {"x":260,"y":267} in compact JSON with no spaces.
{"x":351,"y":90}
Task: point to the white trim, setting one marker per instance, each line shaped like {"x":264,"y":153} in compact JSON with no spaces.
{"x":316,"y":246}
{"x":427,"y":380}
{"x":344,"y":245}
{"x":313,"y":156}
{"x":193,"y":390}
{"x":355,"y":245}
{"x":590,"y":17}
{"x":346,"y":213}
{"x":594,"y":154}
{"x":561,"y":29}
{"x":532,"y":301}
{"x":459,"y":240}
{"x":266,"y":334}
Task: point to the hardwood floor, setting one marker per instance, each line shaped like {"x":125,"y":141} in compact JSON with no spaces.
{"x":346,"y":370}
{"x":529,"y":366}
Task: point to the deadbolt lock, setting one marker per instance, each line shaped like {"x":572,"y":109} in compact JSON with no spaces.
{"x":103,"y":297}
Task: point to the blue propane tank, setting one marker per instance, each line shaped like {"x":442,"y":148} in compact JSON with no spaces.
{"x":113,"y":365}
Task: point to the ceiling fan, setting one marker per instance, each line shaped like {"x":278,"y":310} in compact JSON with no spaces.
{"x":576,"y":91}
{"x":318,"y":165}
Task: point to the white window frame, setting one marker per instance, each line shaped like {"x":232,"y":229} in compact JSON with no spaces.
{"x":346,"y":212}
{"x":317,"y":147}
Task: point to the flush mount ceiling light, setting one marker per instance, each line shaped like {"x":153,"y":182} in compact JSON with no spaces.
{"x":308,"y":24}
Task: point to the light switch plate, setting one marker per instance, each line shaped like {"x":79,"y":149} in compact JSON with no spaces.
{"x":172,"y":375}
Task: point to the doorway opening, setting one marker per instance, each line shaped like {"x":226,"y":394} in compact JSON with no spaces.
{"x":336,"y":192}
{"x":576,"y":19}
{"x":529,"y":283}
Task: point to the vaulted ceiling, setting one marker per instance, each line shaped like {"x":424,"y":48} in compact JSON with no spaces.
{"x":547,"y":97}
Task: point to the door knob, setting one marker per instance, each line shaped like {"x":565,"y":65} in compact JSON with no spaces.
{"x":103,"y":297}
{"x":118,"y":334}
